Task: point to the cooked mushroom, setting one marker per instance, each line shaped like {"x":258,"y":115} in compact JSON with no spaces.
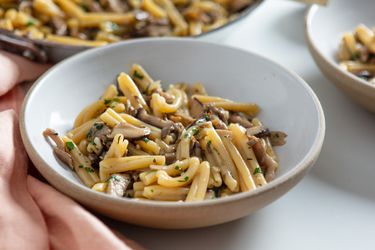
{"x":170,"y":158}
{"x":268,"y":165}
{"x":152,"y":120}
{"x":63,"y":156}
{"x":243,"y":121}
{"x":60,"y":26}
{"x":173,"y":128}
{"x":59,"y":149}
{"x":196,"y":108}
{"x":252,"y":140}
{"x":239,"y":5}
{"x":165,"y":147}
{"x":186,"y":120}
{"x":129,"y":131}
{"x":100,"y":130}
{"x":277,"y":138}
{"x":258,"y":131}
{"x":195,"y":149}
{"x":118,"y":184}
{"x":152,"y":27}
{"x":219,"y":112}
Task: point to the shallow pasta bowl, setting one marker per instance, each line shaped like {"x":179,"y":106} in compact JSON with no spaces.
{"x":324,"y":28}
{"x":285,"y":99}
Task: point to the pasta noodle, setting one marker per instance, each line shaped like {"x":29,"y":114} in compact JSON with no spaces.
{"x":357,"y":52}
{"x":97,"y":23}
{"x":139,"y":141}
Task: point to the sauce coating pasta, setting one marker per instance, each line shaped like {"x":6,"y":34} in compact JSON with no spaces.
{"x":141,"y":141}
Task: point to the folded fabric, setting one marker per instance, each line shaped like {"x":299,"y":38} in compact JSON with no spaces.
{"x":34,"y":215}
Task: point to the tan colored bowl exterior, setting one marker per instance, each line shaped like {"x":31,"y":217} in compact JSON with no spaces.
{"x":357,"y":89}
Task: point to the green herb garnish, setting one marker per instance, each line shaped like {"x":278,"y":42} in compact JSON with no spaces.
{"x":30,"y":22}
{"x":107,"y":101}
{"x":69,"y":145}
{"x":146,"y":139}
{"x":80,"y":166}
{"x":209,"y":143}
{"x":154,"y":160}
{"x":89,"y":170}
{"x":152,"y":190}
{"x":195,"y":131}
{"x":177,"y":167}
{"x":257,"y":171}
{"x":185,"y":179}
{"x":137,"y":75}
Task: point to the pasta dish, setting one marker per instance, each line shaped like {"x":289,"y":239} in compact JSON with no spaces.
{"x":357,"y":53}
{"x":179,"y":144}
{"x":98,"y":22}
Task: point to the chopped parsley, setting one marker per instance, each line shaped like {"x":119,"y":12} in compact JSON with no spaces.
{"x":185,"y":179}
{"x":146,"y":139}
{"x":154,"y":160}
{"x":257,"y":171}
{"x":137,"y":75}
{"x":69,"y":145}
{"x":152,"y":190}
{"x":80,"y":166}
{"x":89,"y":170}
{"x":195,"y":130}
{"x":30,"y":22}
{"x":178,"y":167}
{"x":209,"y":143}
{"x":207,"y":117}
{"x":107,"y":101}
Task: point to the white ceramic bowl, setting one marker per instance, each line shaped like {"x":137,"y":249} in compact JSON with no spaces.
{"x":287,"y":101}
{"x":324,"y":28}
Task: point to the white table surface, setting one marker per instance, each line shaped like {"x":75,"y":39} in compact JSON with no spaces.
{"x":334,"y":205}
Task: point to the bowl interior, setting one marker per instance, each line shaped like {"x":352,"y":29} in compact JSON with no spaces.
{"x":328,"y":24}
{"x":287,"y":103}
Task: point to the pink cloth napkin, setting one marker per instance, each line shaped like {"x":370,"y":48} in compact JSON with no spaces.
{"x":33,"y":215}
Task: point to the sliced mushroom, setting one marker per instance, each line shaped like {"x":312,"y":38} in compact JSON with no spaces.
{"x":132,"y":150}
{"x":118,"y":184}
{"x":195,"y":149}
{"x":239,"y":5}
{"x":243,"y":121}
{"x":59,"y":149}
{"x":129,"y":131}
{"x":170,"y":158}
{"x":186,"y":120}
{"x":54,"y":137}
{"x":100,"y":130}
{"x":277,"y":138}
{"x":173,"y":128}
{"x":196,"y":108}
{"x":221,"y":113}
{"x":152,"y":120}
{"x":217,"y":123}
{"x":165,"y":148}
{"x":258,"y":131}
{"x":252,"y":141}
{"x":63,"y":156}
{"x":268,"y":165}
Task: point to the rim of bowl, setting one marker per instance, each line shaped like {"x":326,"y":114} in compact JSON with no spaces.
{"x":79,"y":188}
{"x":246,"y":12}
{"x":360,"y":83}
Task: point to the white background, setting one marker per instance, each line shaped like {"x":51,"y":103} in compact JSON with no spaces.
{"x":334,"y":206}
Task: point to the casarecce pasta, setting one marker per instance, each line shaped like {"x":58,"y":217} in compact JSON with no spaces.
{"x":144,"y":142}
{"x":98,"y":22}
{"x":357,"y":53}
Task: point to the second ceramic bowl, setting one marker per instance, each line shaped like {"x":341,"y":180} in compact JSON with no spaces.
{"x":324,"y":27}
